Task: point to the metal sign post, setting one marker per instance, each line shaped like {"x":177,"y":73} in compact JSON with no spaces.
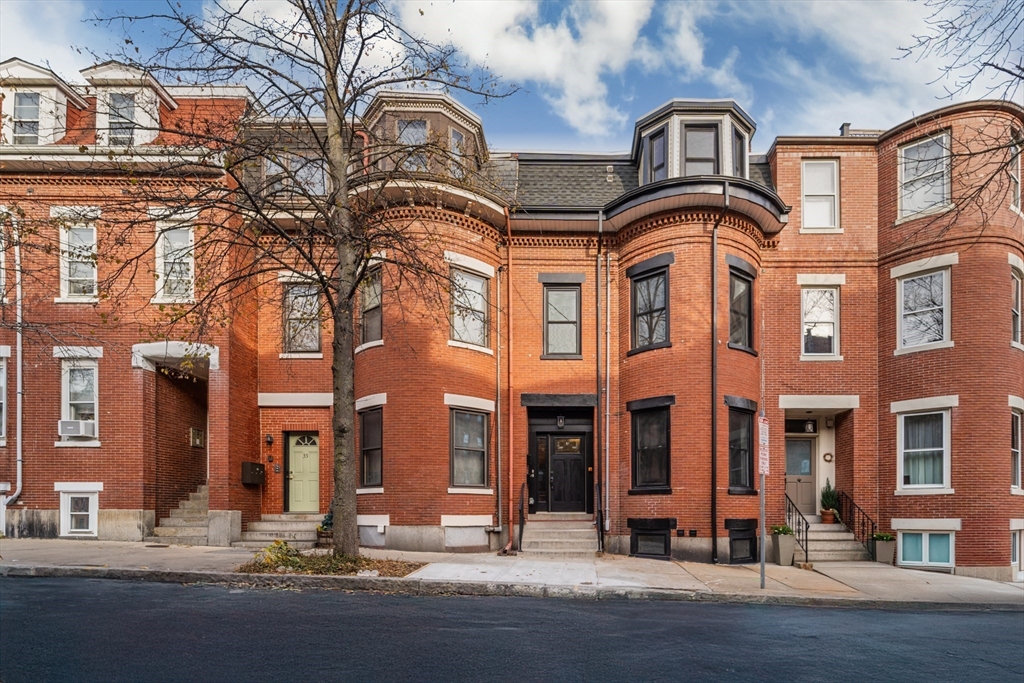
{"x":762,"y":469}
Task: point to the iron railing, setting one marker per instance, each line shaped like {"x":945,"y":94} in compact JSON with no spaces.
{"x":600,"y":519}
{"x":857,"y":521}
{"x":800,"y":526}
{"x":522,"y":516}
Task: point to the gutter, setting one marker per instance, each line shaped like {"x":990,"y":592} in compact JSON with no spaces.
{"x":714,"y":373}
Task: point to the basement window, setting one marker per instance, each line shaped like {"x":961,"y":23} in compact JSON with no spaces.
{"x":79,"y":505}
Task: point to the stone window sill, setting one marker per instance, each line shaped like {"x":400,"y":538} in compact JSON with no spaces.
{"x":375,"y":489}
{"x":76,"y":300}
{"x":471,"y":347}
{"x":77,"y":444}
{"x":924,"y":347}
{"x":470,"y":491}
{"x":923,"y":492}
{"x":368,"y":345}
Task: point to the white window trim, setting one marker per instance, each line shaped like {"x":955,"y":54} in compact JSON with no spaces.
{"x":947,"y":322}
{"x":469,"y":263}
{"x":373,"y":489}
{"x":1014,"y":169}
{"x":3,"y":398}
{"x":470,"y":491}
{"x":68,"y":490}
{"x":925,"y":537}
{"x":1017,"y":487}
{"x":835,"y":355}
{"x":900,"y":217}
{"x":65,"y":266}
{"x":924,"y":265}
{"x":925,"y":489}
{"x":925,"y":405}
{"x":837,"y":228}
{"x":371,"y":401}
{"x":1017,"y":277}
{"x":368,"y":345}
{"x":158,"y":296}
{"x":78,"y":352}
{"x":65,"y":398}
{"x":472,"y":347}
{"x":469,"y":402}
{"x":301,"y":355}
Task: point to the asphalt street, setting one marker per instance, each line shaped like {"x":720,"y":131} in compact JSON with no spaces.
{"x":101,"y":630}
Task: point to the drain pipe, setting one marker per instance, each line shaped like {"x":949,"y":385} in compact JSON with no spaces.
{"x":714,"y":374}
{"x":511,"y":405}
{"x":497,"y":399}
{"x":20,"y":390}
{"x":597,"y":293}
{"x":607,"y":378}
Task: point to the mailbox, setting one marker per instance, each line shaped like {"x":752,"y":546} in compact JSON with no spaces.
{"x":253,"y":473}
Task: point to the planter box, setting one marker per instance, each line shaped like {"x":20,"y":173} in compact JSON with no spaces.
{"x":783,"y":548}
{"x":325,"y":539}
{"x":884,"y":551}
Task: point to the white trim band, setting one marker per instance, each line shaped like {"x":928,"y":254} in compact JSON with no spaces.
{"x":472,"y":491}
{"x":78,"y":352}
{"x":375,"y":489}
{"x":1016,"y":402}
{"x":917,"y":404}
{"x":822,"y":402}
{"x":367,"y":345}
{"x":296,"y":400}
{"x":833,"y":280}
{"x":78,"y":486}
{"x":469,"y":263}
{"x":921,"y":265}
{"x":371,"y":401}
{"x":373,"y":520}
{"x":5,"y":351}
{"x":85,"y":213}
{"x":949,"y":524}
{"x":471,"y":402}
{"x":1017,"y":525}
{"x":1016,"y":261}
{"x":467,"y":520}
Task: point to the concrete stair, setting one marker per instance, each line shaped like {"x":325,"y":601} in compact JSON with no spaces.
{"x":298,"y":529}
{"x":831,"y":543}
{"x":559,"y":534}
{"x":188,"y":524}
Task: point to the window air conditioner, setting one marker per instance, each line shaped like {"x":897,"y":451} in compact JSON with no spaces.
{"x":76,"y":428}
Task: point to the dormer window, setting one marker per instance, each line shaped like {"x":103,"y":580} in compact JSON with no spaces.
{"x":739,"y":154}
{"x":656,"y":157}
{"x":700,"y":149}
{"x":26,"y":118}
{"x":412,"y":135}
{"x":122,"y":118}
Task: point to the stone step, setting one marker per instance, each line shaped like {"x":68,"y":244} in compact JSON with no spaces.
{"x":827,"y":527}
{"x":299,"y":545}
{"x":179,"y":513}
{"x":831,"y":536}
{"x":560,"y":517}
{"x":203,"y":497}
{"x":556,"y":554}
{"x":293,"y":517}
{"x":534,"y":531}
{"x":190,"y":505}
{"x":177,"y":540}
{"x":564,"y":525}
{"x":185,"y":521}
{"x":836,"y":545}
{"x":281,"y":526}
{"x":180,"y":531}
{"x":832,"y":555}
{"x":560,"y":544}
{"x":270,"y":536}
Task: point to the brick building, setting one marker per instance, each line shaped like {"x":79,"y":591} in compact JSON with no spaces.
{"x":618,"y":323}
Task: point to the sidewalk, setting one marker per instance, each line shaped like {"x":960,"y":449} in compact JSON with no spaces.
{"x":853,"y":584}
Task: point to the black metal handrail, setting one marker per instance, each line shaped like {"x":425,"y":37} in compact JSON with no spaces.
{"x":600,"y":519}
{"x":522,"y":515}
{"x":857,"y":521}
{"x":800,"y":526}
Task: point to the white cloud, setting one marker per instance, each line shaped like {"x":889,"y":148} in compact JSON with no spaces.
{"x":568,"y":59}
{"x":684,"y":47}
{"x":48,"y":33}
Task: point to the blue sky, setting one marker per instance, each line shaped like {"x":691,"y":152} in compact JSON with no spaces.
{"x":587,"y":70}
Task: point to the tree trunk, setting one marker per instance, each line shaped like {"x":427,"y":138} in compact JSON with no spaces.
{"x":346,"y":532}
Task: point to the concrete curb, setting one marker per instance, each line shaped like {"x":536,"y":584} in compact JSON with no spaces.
{"x":426,"y":587}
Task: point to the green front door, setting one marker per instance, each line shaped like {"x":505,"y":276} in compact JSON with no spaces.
{"x":303,"y":473}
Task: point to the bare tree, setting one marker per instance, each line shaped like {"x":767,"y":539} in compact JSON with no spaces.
{"x":306,"y":187}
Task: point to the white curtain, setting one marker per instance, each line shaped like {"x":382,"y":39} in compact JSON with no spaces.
{"x":923,"y":449}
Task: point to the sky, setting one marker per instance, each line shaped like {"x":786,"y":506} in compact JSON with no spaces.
{"x":587,"y":70}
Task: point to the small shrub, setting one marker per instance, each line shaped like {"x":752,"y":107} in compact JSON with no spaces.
{"x":781,"y":530}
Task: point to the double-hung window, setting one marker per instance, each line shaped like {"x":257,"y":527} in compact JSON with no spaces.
{"x":80,"y":396}
{"x":370,"y":301}
{"x":175,"y":263}
{"x":820,"y":195}
{"x":1016,"y":295}
{"x":122,"y":118}
{"x":78,"y":261}
{"x":412,"y":136}
{"x":468,"y":448}
{"x":469,"y":308}
{"x":79,"y":505}
{"x":741,"y":309}
{"x":741,"y":450}
{"x":1015,"y":449}
{"x":820,"y":321}
{"x":924,"y":303}
{"x":739,"y":154}
{"x":301,"y":318}
{"x":371,"y":448}
{"x":1014,"y":168}
{"x":924,"y":168}
{"x":651,"y":428}
{"x":655,"y":156}
{"x":650,"y":309}
{"x":458,"y":151}
{"x":26,"y":118}
{"x":3,"y":398}
{"x":924,"y":456}
{"x":700,"y":149}
{"x":562,"y":321}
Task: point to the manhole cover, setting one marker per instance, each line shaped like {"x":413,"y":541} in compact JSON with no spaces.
{"x":157,"y":545}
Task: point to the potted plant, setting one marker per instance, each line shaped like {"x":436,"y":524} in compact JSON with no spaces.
{"x":829,"y":503}
{"x":885,"y":547}
{"x":325,"y":530}
{"x":783,"y":544}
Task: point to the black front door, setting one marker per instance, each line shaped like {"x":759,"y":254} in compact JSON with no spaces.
{"x":560,"y":474}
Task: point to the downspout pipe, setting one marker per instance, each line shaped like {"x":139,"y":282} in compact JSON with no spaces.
{"x":497,"y":400}
{"x":714,"y":373}
{"x":511,"y":384}
{"x":20,"y":390}
{"x":597,"y":336}
{"x":607,"y":379}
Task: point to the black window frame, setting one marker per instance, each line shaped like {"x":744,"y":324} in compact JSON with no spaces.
{"x":639,"y":410}
{"x":635,"y":313}
{"x":286,"y":312}
{"x":650,"y":171}
{"x":372,"y":276}
{"x":451,"y":448}
{"x":739,"y":153}
{"x":747,"y":345}
{"x":363,"y":483}
{"x":716,"y":160}
{"x":741,"y":487}
{"x":578,"y":353}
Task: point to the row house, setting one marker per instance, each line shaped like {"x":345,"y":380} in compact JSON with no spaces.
{"x":619,"y":327}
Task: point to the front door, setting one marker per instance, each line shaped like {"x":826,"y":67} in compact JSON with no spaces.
{"x":568,"y":481}
{"x":303,"y":481}
{"x":800,"y":474}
